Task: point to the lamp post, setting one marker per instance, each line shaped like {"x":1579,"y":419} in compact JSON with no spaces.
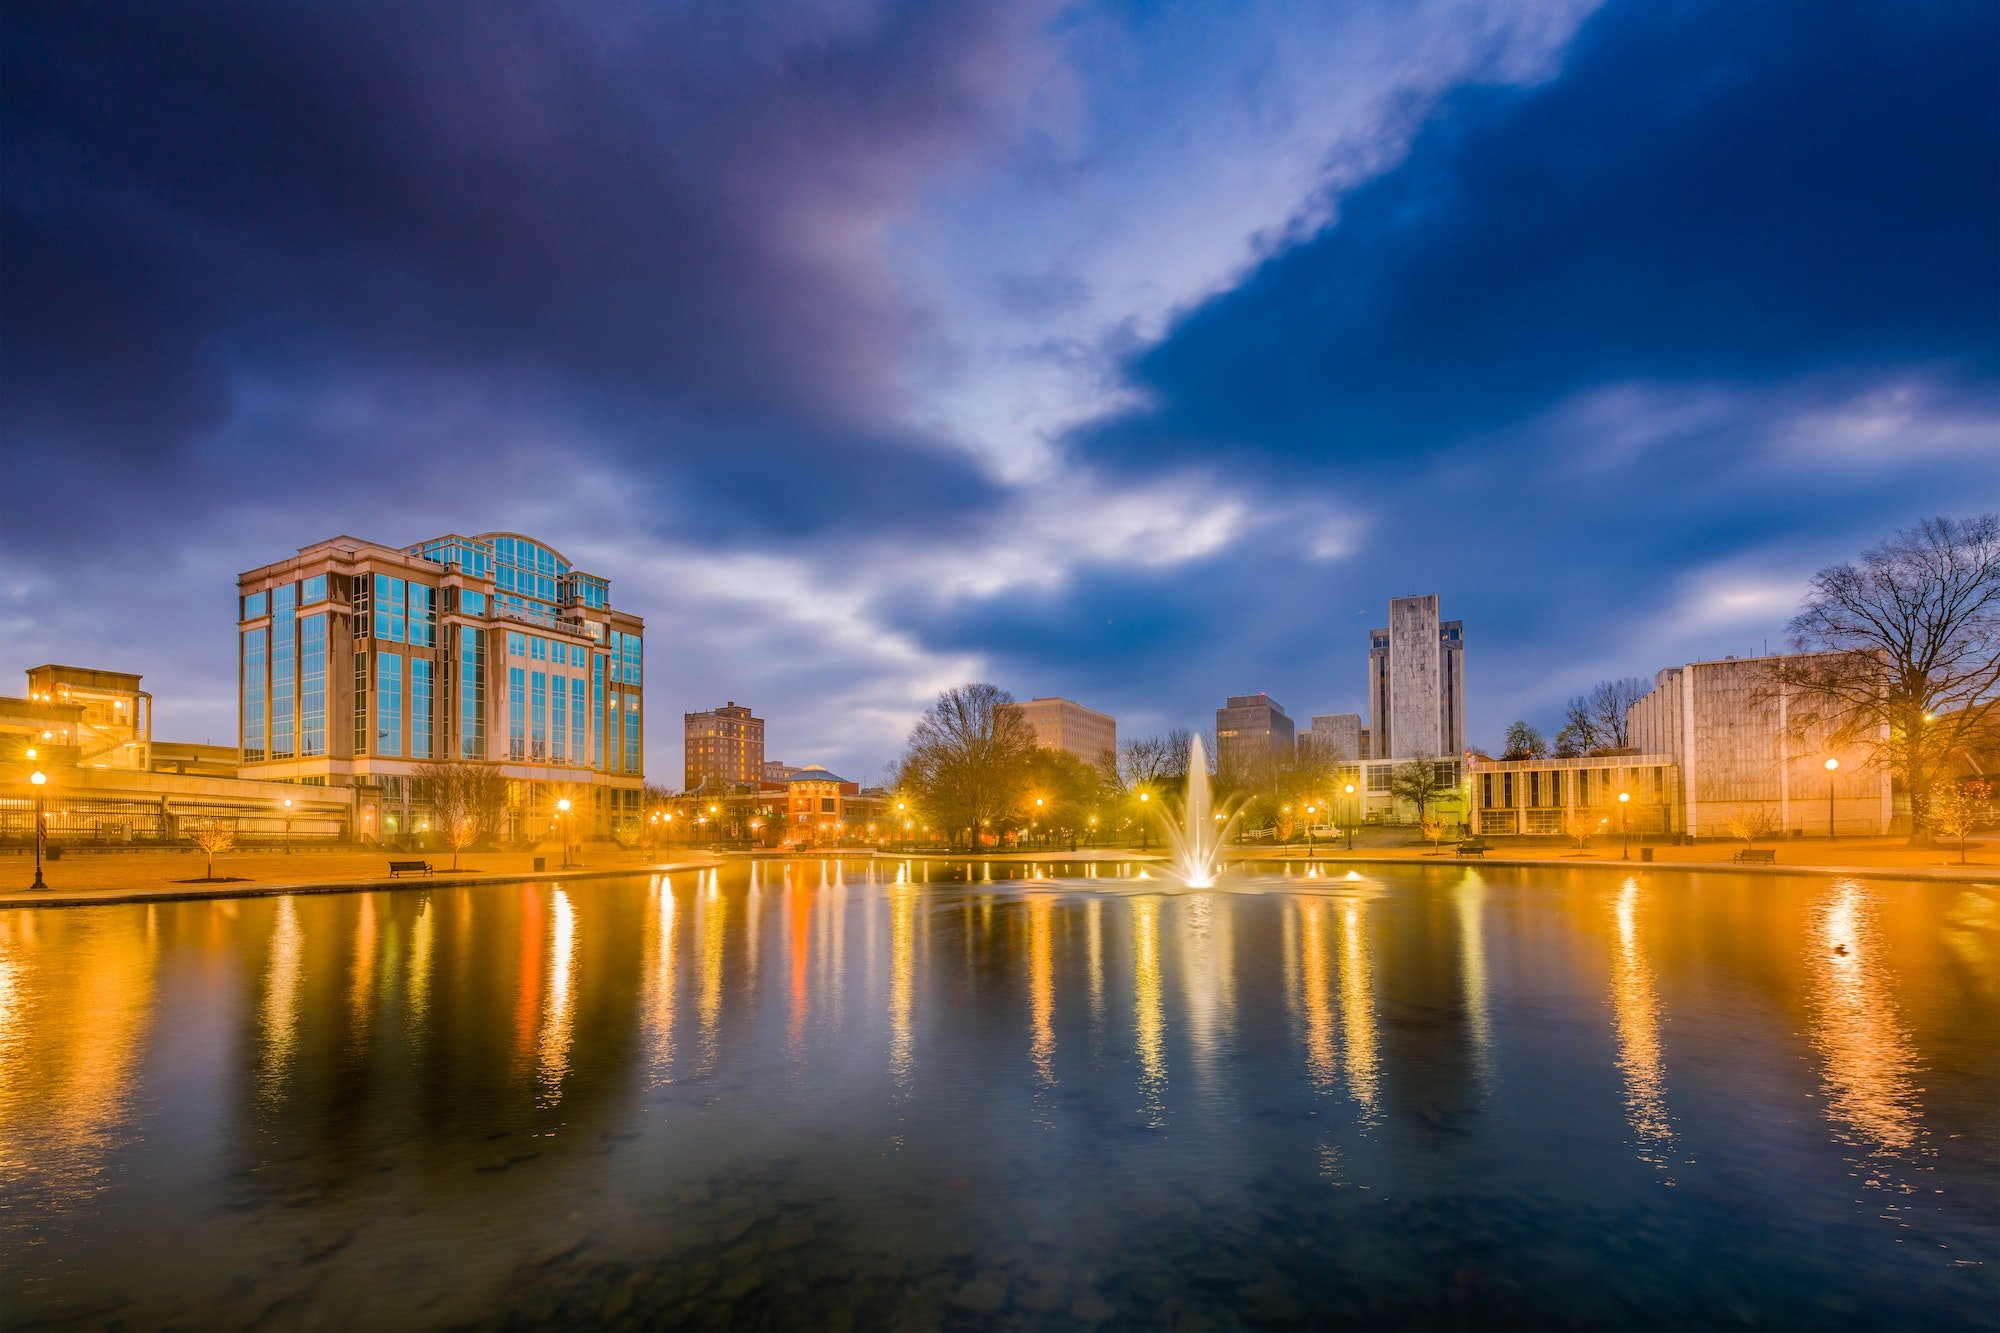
{"x":1310,"y":811}
{"x":288,"y":826}
{"x":37,"y":779}
{"x":1625,"y":825}
{"x":1093,"y":832}
{"x":1144,"y":797}
{"x":562,"y":808}
{"x":1831,"y":766}
{"x":903,"y":821}
{"x":1353,"y":814}
{"x":1038,"y":819}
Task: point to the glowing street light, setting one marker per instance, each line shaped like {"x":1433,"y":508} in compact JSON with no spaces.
{"x":1352,"y":816}
{"x":1625,"y":824}
{"x":37,"y":779}
{"x":562,"y":808}
{"x":288,"y":826}
{"x":1831,"y":766}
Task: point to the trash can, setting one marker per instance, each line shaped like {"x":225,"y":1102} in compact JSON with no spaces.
{"x":51,"y":852}
{"x":1645,"y":853}
{"x":541,"y":863}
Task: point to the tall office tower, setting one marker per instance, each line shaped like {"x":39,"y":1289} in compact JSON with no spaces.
{"x":1416,"y":683}
{"x":1251,"y":728}
{"x":724,"y":748}
{"x":1338,"y":735}
{"x":358,"y":664}
{"x":1062,"y":724}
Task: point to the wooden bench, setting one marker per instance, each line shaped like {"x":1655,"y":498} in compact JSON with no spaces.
{"x":1477,"y":847}
{"x":410,"y":868}
{"x":1762,"y":854}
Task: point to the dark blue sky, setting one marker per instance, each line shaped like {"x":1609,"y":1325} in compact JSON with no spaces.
{"x":1134,"y":353}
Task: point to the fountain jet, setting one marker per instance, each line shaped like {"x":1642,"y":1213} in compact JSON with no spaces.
{"x":1197,"y":844}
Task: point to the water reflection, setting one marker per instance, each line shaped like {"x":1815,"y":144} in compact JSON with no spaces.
{"x":1148,"y":1012}
{"x":659,"y":989}
{"x":558,"y":1011}
{"x":1315,"y":982}
{"x":1635,"y":1008}
{"x":1357,"y":1006}
{"x":1469,"y":905}
{"x":1868,"y":1062}
{"x":278,"y":1014}
{"x":1042,"y":988}
{"x":902,"y":986}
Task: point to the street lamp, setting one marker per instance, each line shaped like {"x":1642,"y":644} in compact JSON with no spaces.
{"x":1093,"y":831}
{"x":902,"y":839}
{"x":1625,"y":825}
{"x":288,"y":826}
{"x":1353,"y":814}
{"x":1144,"y":829}
{"x":1310,"y":810}
{"x":1831,"y":765}
{"x":562,"y":808}
{"x":37,"y":779}
{"x":1038,"y":812}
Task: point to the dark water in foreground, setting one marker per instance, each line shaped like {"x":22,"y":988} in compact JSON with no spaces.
{"x":807,"y":1095}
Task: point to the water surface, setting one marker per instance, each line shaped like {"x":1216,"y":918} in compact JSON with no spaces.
{"x":835,"y":1094}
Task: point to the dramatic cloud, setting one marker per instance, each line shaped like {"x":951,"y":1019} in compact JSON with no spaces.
{"x":1134,"y":353}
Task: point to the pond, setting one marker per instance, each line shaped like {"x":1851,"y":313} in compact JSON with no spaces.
{"x":844,"y":1094}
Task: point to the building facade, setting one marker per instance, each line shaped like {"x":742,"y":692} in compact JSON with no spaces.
{"x":1337,"y":736}
{"x":1560,"y":796}
{"x":1251,"y":729}
{"x":724,"y":749}
{"x":1416,"y":683}
{"x":1742,"y":753}
{"x":359,"y":663}
{"x":1063,"y":724}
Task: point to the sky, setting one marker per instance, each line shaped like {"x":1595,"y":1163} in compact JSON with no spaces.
{"x":1135,"y":353}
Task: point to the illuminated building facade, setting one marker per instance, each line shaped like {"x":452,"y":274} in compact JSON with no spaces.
{"x":1063,"y":724}
{"x":359,"y":663}
{"x":1416,"y":683}
{"x":1249,"y":729}
{"x":724,"y":749}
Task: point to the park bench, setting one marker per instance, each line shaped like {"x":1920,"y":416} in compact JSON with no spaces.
{"x":1762,"y":854}
{"x":1476,"y":847}
{"x":409,"y":868}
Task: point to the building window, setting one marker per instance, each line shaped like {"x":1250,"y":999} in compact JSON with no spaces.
{"x":389,"y":703}
{"x":517,"y":713}
{"x":578,"y":720}
{"x":420,"y":707}
{"x":423,"y":616}
{"x":253,"y":695}
{"x":255,"y":604}
{"x":390,"y":598}
{"x":284,"y":681}
{"x":558,"y":718}
{"x":538,"y":715}
{"x":471,"y":693}
{"x":313,"y":591}
{"x":631,"y":734}
{"x":312,"y":684}
{"x":361,"y":703}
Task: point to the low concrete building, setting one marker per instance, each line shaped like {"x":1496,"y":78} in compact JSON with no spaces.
{"x":1549,"y":796}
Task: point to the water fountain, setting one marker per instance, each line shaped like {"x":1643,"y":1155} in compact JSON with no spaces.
{"x":1197,"y":844}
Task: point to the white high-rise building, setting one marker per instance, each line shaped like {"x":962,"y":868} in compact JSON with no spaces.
{"x":1416,"y":683}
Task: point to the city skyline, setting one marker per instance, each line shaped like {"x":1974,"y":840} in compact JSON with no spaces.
{"x":973,"y":355}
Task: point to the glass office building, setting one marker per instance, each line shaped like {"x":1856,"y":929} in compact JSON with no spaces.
{"x":359,"y":664}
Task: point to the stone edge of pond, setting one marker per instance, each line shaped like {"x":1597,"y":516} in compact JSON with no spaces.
{"x":115,"y":898}
{"x":1936,"y":874}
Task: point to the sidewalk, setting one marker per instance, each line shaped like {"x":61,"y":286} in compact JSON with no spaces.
{"x":85,"y":877}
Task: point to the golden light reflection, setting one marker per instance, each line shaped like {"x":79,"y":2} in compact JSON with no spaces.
{"x":1868,"y":1063}
{"x":711,"y":923}
{"x":278,"y":1014}
{"x":1149,"y":1014}
{"x":361,"y":976}
{"x":1042,"y":987}
{"x":1315,"y":973}
{"x":660,"y":988}
{"x":902,"y":983}
{"x":1357,"y":1006}
{"x":422,"y":943}
{"x":799,"y":901}
{"x":1208,"y":967}
{"x":1635,"y":1008}
{"x":1469,"y":902}
{"x":558,"y":1009}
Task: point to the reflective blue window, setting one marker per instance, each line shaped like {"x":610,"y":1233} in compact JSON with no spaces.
{"x":390,"y":599}
{"x":254,"y":605}
{"x":284,"y":683}
{"x":420,"y":707}
{"x":423,"y":616}
{"x":253,"y":695}
{"x":517,"y":713}
{"x":538,"y":715}
{"x":597,"y":709}
{"x":312,"y":684}
{"x":472,"y":603}
{"x":631,"y":734}
{"x":471,"y":693}
{"x":389,"y":703}
{"x":558,"y":717}
{"x":578,"y":721}
{"x":313,"y":591}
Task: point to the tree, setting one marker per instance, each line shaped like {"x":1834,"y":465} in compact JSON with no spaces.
{"x":1524,"y":742}
{"x":213,"y":837}
{"x":1417,"y":782}
{"x":1070,"y":791}
{"x":966,"y":758}
{"x":1580,"y":824}
{"x":1957,"y":808}
{"x":1900,"y":653}
{"x":1595,"y":721}
{"x":456,"y":793}
{"x":1751,"y":822}
{"x":1433,"y":831}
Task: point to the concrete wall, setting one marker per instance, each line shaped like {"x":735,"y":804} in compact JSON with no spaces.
{"x":1415,"y":679}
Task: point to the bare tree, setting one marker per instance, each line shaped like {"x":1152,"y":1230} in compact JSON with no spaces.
{"x":1901,"y":653}
{"x":214,"y":837}
{"x":1416,"y":782}
{"x":1595,"y":721}
{"x":1581,"y":824}
{"x":1751,"y":821}
{"x":1524,"y":742}
{"x":453,"y":789}
{"x":1957,"y":808}
{"x":1433,"y":830}
{"x":966,"y":757}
